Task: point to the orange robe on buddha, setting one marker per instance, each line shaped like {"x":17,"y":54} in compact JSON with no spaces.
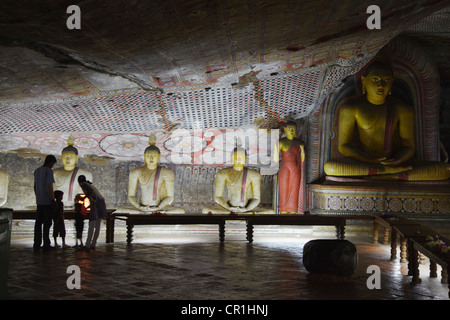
{"x":289,"y":178}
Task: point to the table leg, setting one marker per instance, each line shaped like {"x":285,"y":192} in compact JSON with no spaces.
{"x":413,"y":265}
{"x":433,"y":269}
{"x":222,"y":231}
{"x":386,"y":236}
{"x":375,"y":232}
{"x":129,"y":233}
{"x":444,"y":275}
{"x":421,"y":258}
{"x":410,"y":259}
{"x":249,"y":231}
{"x":393,"y":244}
{"x":110,"y":221}
{"x":403,"y":246}
{"x":447,"y":268}
{"x":340,"y":232}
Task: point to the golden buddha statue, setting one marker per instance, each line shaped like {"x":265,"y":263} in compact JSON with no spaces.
{"x":156,"y":184}
{"x":243,"y":187}
{"x":292,"y":152}
{"x":385,"y":130}
{"x":3,"y":186}
{"x":66,"y":178}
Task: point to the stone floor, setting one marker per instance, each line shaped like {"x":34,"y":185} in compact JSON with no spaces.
{"x":182,"y":263}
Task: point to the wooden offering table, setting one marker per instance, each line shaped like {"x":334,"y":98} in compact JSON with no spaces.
{"x":31,"y":214}
{"x":390,"y":224}
{"x":220,"y":219}
{"x":436,"y":257}
{"x":415,"y":243}
{"x":68,"y":215}
{"x":294,"y":219}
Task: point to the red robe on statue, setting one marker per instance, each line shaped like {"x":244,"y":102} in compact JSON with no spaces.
{"x":289,"y":178}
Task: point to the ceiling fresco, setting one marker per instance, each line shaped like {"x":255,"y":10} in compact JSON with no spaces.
{"x":141,"y":67}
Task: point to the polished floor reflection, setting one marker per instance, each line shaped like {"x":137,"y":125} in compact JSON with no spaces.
{"x":188,"y":264}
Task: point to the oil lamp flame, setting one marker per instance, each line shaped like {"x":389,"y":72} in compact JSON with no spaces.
{"x":84,"y":203}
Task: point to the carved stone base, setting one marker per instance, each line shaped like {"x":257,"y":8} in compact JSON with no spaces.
{"x":410,"y":199}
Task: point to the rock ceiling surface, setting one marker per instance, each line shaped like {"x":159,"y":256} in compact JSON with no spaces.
{"x":141,"y":67}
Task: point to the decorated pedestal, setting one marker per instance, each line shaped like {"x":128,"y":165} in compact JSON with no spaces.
{"x":417,"y":85}
{"x":410,"y":199}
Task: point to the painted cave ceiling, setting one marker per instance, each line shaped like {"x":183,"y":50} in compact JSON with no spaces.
{"x":141,"y":67}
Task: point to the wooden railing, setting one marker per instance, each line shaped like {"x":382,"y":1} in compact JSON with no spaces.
{"x":414,"y":244}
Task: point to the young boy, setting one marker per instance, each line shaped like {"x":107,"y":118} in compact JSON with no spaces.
{"x":80,"y":215}
{"x":59,"y":227}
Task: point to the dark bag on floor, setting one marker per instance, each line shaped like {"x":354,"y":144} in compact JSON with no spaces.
{"x":337,"y":257}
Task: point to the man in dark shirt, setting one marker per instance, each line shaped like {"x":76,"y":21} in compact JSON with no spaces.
{"x":43,"y":189}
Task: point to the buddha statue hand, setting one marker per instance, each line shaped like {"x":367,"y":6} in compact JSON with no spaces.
{"x":153,"y":208}
{"x":238,"y":209}
{"x":145,"y":208}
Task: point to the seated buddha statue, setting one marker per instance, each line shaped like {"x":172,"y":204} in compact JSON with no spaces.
{"x":292,"y":152}
{"x":3,"y":186}
{"x":66,"y":178}
{"x":376,"y":135}
{"x":242,"y":186}
{"x":155,"y":182}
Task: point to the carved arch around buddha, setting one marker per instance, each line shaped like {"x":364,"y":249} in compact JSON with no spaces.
{"x":416,"y":83}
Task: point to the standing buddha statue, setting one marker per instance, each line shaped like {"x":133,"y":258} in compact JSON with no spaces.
{"x":292,"y":152}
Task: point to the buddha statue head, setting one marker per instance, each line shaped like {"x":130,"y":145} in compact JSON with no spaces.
{"x":152,"y":154}
{"x":377,"y":82}
{"x":239,"y":158}
{"x":69,"y":155}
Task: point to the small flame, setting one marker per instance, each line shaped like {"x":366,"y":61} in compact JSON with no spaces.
{"x":82,"y":200}
{"x":87,"y":203}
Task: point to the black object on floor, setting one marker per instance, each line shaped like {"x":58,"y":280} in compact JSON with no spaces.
{"x":337,"y":257}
